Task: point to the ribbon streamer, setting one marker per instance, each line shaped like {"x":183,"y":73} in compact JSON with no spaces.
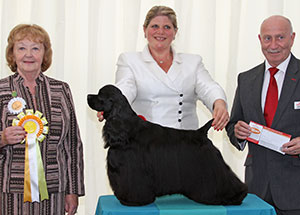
{"x":35,"y":185}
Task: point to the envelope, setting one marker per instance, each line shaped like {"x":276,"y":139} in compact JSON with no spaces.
{"x":267,"y":137}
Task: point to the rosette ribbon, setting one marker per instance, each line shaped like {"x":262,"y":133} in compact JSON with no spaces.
{"x":35,"y":185}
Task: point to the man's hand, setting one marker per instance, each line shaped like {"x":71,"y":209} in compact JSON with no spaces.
{"x":241,"y":130}
{"x":292,"y":147}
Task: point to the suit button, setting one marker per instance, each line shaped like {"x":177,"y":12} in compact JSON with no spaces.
{"x":181,"y":95}
{"x":180,"y":103}
{"x":180,"y":112}
{"x":179,"y":120}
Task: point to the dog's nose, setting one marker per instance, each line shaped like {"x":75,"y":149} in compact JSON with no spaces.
{"x":90,"y":101}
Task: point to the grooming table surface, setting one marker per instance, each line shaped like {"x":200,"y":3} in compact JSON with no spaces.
{"x":180,"y":205}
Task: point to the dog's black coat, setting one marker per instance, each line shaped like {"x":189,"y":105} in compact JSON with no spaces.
{"x":146,"y":160}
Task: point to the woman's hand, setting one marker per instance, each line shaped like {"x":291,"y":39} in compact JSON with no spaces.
{"x":71,"y":204}
{"x":220,"y":115}
{"x":100,"y":116}
{"x":12,"y":135}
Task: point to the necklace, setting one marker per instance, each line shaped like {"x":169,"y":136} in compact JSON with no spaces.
{"x":168,"y":58}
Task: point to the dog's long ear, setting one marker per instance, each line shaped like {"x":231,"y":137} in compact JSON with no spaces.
{"x":113,"y":135}
{"x":204,"y":129}
{"x":121,"y":108}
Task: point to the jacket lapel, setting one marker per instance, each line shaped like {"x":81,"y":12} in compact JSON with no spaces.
{"x":256,"y":88}
{"x":291,"y":79}
{"x":175,"y":69}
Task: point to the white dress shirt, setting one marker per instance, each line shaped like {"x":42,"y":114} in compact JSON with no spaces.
{"x":168,"y":99}
{"x":279,"y":76}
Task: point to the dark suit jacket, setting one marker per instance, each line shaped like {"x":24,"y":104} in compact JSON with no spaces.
{"x":265,"y":167}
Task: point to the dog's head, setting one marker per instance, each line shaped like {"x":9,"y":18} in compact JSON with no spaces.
{"x":109,"y":99}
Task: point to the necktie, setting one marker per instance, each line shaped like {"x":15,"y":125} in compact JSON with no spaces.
{"x":272,"y":98}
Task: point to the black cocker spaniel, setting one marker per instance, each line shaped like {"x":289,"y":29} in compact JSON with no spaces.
{"x":146,"y":160}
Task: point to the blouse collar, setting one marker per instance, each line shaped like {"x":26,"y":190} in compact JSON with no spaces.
{"x":18,"y":78}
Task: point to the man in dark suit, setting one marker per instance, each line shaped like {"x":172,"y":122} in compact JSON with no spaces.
{"x":273,"y":176}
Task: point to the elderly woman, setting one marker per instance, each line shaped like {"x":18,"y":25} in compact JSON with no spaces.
{"x":41,"y":155}
{"x":163,"y":85}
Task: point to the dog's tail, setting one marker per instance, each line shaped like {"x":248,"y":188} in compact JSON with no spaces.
{"x":204,"y":129}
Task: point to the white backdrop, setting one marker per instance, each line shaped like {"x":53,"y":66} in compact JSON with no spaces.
{"x":88,"y":35}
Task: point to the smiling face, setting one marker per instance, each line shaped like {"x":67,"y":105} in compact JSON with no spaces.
{"x":276,"y":39}
{"x":160,"y":33}
{"x":28,"y":56}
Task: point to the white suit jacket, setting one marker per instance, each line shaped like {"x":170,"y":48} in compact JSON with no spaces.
{"x":168,"y":99}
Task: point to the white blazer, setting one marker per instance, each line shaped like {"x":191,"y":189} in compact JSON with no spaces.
{"x":168,"y":99}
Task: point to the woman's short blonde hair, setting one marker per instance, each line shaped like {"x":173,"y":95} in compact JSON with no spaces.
{"x":34,"y":33}
{"x":161,"y":11}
